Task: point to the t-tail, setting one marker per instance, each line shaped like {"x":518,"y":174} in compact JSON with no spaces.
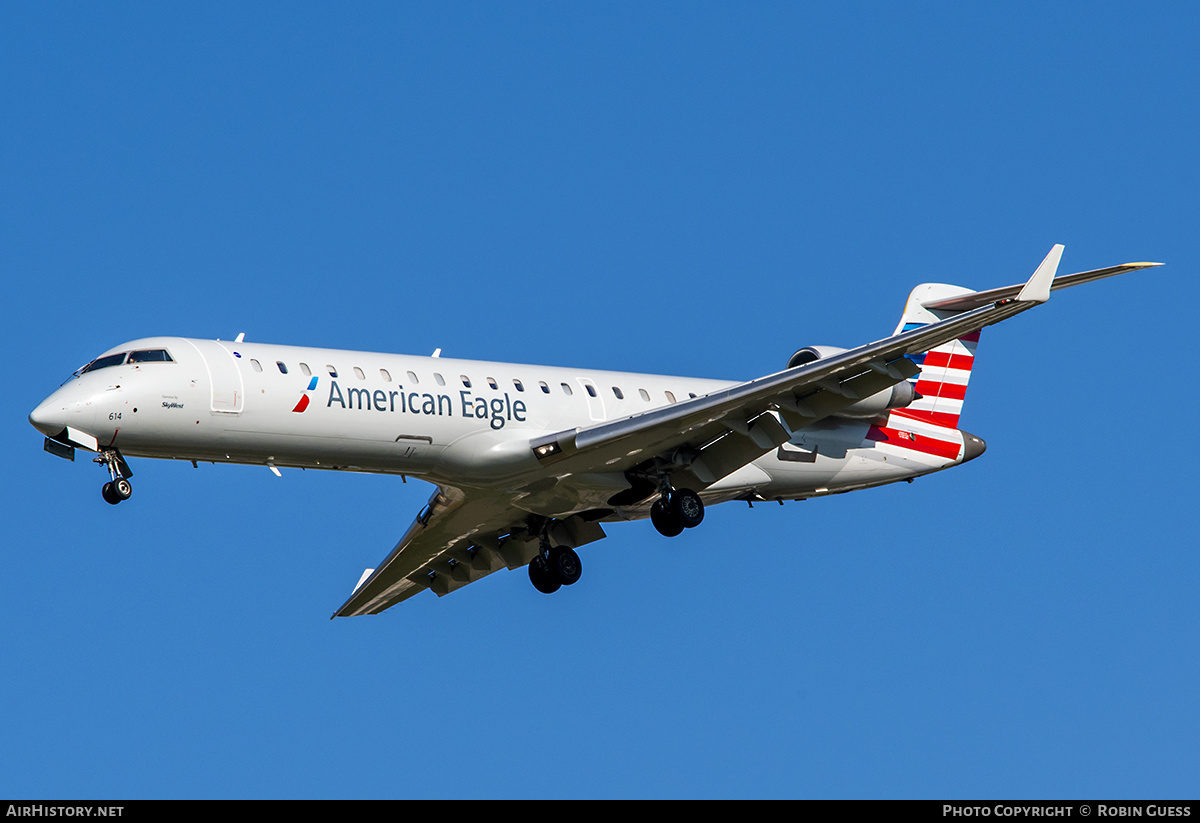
{"x":941,"y":385}
{"x":930,"y":423}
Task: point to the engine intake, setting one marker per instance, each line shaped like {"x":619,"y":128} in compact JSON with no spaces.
{"x":809,"y":354}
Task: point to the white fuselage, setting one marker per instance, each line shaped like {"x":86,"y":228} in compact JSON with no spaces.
{"x":460,"y":423}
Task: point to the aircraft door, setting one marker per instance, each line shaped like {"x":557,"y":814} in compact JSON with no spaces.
{"x":224,"y":377}
{"x":595,"y":404}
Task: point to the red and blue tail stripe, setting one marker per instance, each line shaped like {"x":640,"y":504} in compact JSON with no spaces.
{"x":942,"y":381}
{"x":929,"y":425}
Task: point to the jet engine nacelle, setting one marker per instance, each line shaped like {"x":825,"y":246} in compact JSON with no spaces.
{"x":881,"y":402}
{"x":810,"y":353}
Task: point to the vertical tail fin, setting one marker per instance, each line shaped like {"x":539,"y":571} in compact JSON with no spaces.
{"x":945,"y":370}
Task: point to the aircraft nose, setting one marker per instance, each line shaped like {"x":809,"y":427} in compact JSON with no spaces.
{"x":49,"y":417}
{"x":66,"y":407}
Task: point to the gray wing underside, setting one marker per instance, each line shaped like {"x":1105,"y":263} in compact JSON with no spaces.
{"x":451,"y":527}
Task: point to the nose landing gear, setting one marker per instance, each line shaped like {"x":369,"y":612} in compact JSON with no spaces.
{"x":119,"y":487}
{"x":117,"y":490}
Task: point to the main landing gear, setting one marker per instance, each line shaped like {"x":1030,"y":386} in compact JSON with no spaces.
{"x":118,"y":488}
{"x":676,"y":510}
{"x":554,"y":567}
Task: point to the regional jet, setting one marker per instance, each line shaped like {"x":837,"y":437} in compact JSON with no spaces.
{"x":530,"y":462}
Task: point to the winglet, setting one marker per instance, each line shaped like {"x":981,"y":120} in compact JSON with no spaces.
{"x":1037,"y":290}
{"x":363,"y":579}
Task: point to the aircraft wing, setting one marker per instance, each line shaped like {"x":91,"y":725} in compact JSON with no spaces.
{"x":458,"y":532}
{"x":713,"y":435}
{"x":459,"y":537}
{"x":980,"y":298}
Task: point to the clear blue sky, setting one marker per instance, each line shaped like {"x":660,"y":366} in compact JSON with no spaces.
{"x":684,"y":188}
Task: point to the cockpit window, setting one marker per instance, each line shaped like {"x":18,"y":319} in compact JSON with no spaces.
{"x":142,"y":356}
{"x":104,"y":362}
{"x":150,"y":356}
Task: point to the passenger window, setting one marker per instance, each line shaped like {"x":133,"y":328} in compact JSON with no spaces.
{"x":692,"y":395}
{"x":566,"y":389}
{"x":332,"y":371}
{"x":544,"y":387}
{"x":645,"y":395}
{"x":254,"y":364}
{"x":466,"y":381}
{"x":306,"y":370}
{"x":618,"y":394}
{"x":492,"y":383}
{"x":591,"y":389}
{"x":670,"y":397}
{"x":518,"y":384}
{"x":282,"y":368}
{"x":359,"y":373}
{"x":441,"y":381}
{"x":386,"y":375}
{"x":412,"y":376}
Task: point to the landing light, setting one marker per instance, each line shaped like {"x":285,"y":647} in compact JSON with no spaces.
{"x":546,"y":450}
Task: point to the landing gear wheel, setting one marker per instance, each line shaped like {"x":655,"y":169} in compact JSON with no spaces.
{"x":565,"y":565}
{"x":542,"y":577}
{"x":122,"y":488}
{"x":689,"y":507}
{"x":666,"y":518}
{"x":118,"y":488}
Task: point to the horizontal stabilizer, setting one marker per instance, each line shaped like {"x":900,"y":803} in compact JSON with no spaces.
{"x":966,"y":302}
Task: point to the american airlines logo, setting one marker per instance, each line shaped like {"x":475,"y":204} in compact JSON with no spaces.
{"x":302,"y":404}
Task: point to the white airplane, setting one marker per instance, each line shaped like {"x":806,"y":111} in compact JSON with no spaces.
{"x":529,"y":461}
